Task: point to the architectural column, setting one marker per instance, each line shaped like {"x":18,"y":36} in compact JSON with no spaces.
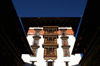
{"x":54,"y":40}
{"x":64,"y":37}
{"x":48,"y":51}
{"x":36,"y":38}
{"x":65,"y":46}
{"x":45,"y":52}
{"x":52,"y":51}
{"x":55,"y":52}
{"x":45,"y":40}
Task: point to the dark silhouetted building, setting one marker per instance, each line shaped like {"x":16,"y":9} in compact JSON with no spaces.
{"x":88,"y":39}
{"x":13,"y":42}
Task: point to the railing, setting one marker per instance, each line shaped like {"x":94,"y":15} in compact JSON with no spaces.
{"x":55,"y":32}
{"x":49,"y":42}
{"x":50,"y":55}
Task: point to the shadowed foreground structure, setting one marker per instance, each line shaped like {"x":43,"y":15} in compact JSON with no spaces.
{"x":88,"y":39}
{"x":13,"y":42}
{"x":51,"y":21}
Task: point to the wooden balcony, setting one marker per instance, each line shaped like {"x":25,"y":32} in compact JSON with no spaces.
{"x":50,"y":45}
{"x":50,"y":54}
{"x":50,"y":33}
{"x":50,"y":42}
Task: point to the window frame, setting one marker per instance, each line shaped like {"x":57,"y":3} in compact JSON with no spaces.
{"x":50,"y":62}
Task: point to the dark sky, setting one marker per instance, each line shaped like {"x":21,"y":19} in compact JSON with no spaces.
{"x":50,"y":8}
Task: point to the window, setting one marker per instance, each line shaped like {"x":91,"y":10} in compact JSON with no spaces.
{"x":35,"y":44}
{"x":34,"y":52}
{"x":66,"y":63}
{"x":38,"y":33}
{"x":66,"y":52}
{"x":50,"y":63}
{"x":50,"y":30}
{"x":50,"y":38}
{"x":54,"y":38}
{"x":54,"y":31}
{"x":50,"y":51}
{"x":46,"y":31}
{"x":64,"y":43}
{"x":63,"y":34}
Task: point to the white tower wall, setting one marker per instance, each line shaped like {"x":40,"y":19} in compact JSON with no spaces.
{"x":60,"y":61}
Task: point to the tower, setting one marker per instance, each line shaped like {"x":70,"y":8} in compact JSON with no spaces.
{"x":51,"y":46}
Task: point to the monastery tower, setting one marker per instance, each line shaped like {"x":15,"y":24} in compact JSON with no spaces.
{"x":51,"y":46}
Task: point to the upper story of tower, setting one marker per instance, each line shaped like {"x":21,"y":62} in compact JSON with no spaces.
{"x":51,"y":30}
{"x":51,"y":21}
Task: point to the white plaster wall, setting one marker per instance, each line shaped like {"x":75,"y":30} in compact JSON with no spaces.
{"x":40,"y":52}
{"x":60,"y":55}
{"x":73,"y":59}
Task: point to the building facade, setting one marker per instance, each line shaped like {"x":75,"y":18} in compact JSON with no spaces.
{"x":52,"y":46}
